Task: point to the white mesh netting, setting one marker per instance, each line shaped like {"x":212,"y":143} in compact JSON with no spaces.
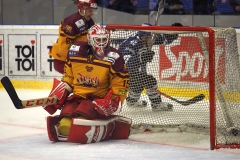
{"x":179,"y":67}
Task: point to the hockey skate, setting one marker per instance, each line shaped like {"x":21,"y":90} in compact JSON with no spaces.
{"x":133,"y":103}
{"x":162,"y":106}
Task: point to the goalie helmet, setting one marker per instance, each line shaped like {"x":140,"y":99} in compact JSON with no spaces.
{"x":98,"y":38}
{"x":87,"y":4}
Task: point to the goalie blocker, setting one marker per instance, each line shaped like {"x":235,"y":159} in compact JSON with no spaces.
{"x":90,"y":131}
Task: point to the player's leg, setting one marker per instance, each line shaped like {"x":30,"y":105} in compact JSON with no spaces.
{"x":135,"y":89}
{"x":75,"y":107}
{"x":155,"y":98}
{"x":85,"y":131}
{"x":60,"y":127}
{"x":53,"y":133}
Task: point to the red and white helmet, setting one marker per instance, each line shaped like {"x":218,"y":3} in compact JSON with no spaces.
{"x":98,"y":38}
{"x":87,"y":4}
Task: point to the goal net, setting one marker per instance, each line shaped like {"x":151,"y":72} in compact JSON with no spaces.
{"x":196,"y":70}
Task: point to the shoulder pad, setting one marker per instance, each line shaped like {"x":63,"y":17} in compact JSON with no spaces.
{"x":111,"y":57}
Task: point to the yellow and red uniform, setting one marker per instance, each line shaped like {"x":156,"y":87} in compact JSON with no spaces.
{"x":71,"y":29}
{"x":88,"y":75}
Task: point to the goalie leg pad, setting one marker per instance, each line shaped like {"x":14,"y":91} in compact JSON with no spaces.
{"x":53,"y":134}
{"x":64,"y":126}
{"x":122,"y":128}
{"x":92,"y":131}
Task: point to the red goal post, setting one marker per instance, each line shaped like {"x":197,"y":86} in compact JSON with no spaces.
{"x":202,"y":60}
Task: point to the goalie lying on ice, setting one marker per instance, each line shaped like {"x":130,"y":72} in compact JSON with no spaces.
{"x":137,"y":52}
{"x":95,"y":74}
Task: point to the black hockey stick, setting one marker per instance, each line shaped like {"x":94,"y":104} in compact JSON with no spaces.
{"x":184,"y":103}
{"x":159,"y":12}
{"x":20,"y":104}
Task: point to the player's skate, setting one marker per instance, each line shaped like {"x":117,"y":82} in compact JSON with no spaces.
{"x":134,"y":103}
{"x":162,"y":106}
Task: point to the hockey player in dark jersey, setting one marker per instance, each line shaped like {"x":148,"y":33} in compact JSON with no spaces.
{"x":137,"y":53}
{"x":73,"y":28}
{"x":96,"y":75}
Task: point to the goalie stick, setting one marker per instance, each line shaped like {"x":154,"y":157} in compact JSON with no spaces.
{"x":21,"y":104}
{"x":184,"y":103}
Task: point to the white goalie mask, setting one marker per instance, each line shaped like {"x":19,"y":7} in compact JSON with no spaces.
{"x":98,"y":38}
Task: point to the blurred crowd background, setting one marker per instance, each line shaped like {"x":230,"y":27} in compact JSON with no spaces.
{"x":215,"y":13}
{"x":196,"y":7}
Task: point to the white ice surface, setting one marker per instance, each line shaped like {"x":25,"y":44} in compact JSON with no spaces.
{"x":23,"y":136}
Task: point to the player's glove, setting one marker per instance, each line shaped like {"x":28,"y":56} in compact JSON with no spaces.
{"x":62,"y":91}
{"x":108,"y":105}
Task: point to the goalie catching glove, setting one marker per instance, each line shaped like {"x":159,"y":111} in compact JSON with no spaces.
{"x":61,"y":90}
{"x":108,"y":105}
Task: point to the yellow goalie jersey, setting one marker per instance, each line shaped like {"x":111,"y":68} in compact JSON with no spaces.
{"x":90,"y":76}
{"x":71,"y":29}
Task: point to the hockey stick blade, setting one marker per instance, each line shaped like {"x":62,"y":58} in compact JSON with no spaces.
{"x":20,"y":104}
{"x":193,"y":100}
{"x":7,"y":84}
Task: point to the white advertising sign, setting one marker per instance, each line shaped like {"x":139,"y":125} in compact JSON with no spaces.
{"x":46,"y":61}
{"x":1,"y":56}
{"x":22,"y":55}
